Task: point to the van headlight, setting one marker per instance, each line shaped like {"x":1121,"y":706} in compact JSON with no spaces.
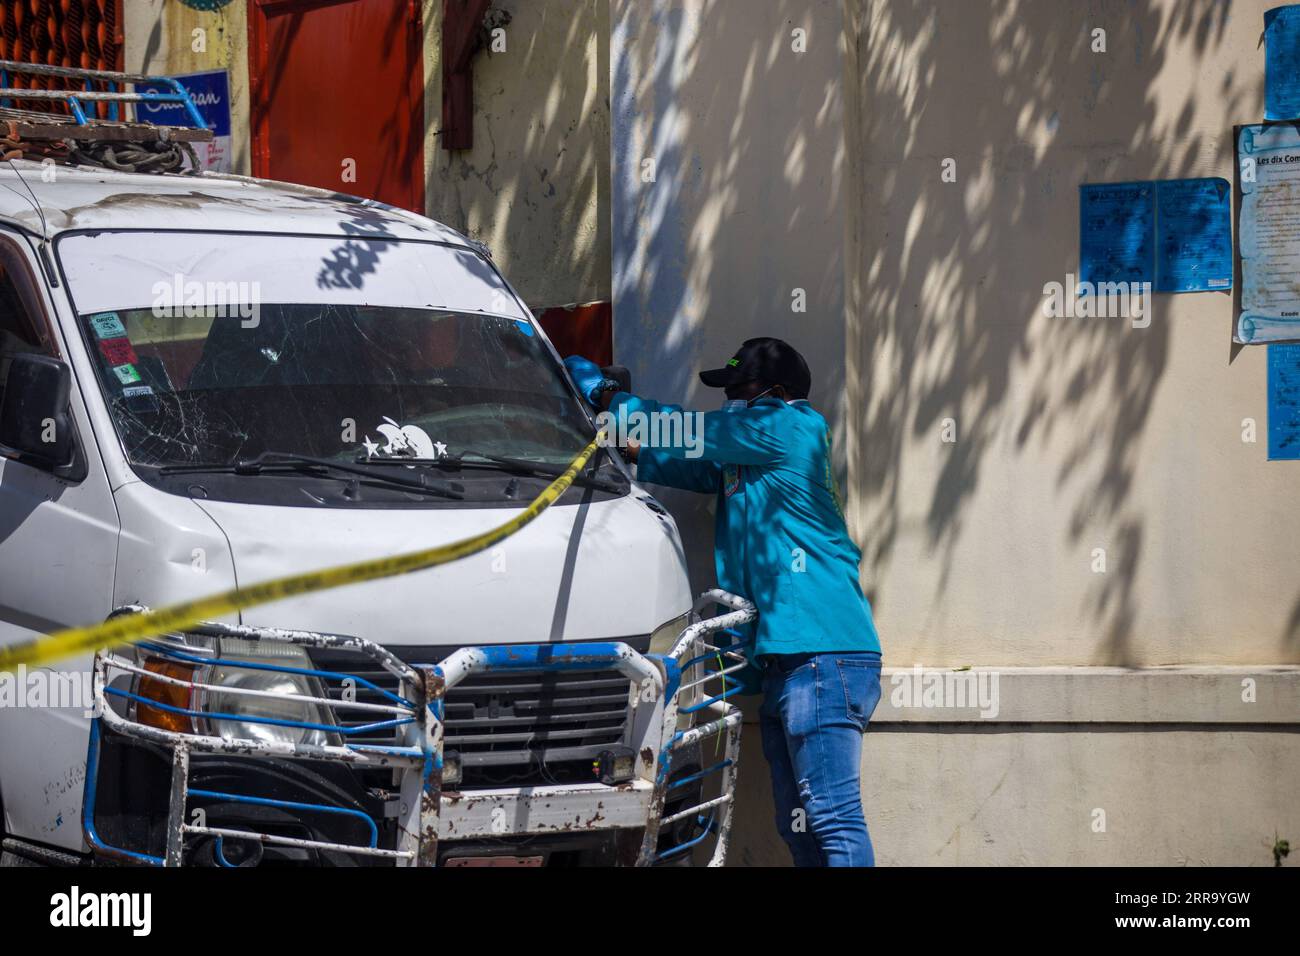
{"x":665,"y":635}
{"x":273,"y":698}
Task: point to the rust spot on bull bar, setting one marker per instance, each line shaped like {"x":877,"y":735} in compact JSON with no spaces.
{"x":593,"y":823}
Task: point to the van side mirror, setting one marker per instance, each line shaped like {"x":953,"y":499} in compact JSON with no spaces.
{"x":34,"y":420}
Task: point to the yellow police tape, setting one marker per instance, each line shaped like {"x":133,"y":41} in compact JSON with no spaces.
{"x":128,"y":628}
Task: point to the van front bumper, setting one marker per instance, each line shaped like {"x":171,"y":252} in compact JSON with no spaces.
{"x":674,"y":701}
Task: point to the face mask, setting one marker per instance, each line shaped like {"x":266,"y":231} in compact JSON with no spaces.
{"x":734,"y":404}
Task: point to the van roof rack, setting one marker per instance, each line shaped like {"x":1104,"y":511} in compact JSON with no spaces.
{"x":78,"y":138}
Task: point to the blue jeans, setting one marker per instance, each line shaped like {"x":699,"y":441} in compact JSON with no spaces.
{"x":815,"y":710}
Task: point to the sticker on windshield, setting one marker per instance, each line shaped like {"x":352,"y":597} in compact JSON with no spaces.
{"x":118,"y":351}
{"x":135,"y":391}
{"x":403,"y":441}
{"x":107,"y":325}
{"x":126,"y":374}
{"x":524,"y":326}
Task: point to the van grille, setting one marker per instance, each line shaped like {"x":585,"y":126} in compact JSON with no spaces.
{"x":526,"y":727}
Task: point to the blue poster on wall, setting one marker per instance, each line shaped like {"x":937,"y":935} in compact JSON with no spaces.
{"x":1193,"y":235}
{"x":1173,"y":233}
{"x":1284,"y":402}
{"x":1282,"y":63}
{"x":1117,"y":224}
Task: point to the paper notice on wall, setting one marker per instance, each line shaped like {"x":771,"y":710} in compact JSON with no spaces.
{"x":1175,"y":234}
{"x":1117,"y":232}
{"x":1282,"y":63}
{"x":211,"y":95}
{"x":1193,"y":235}
{"x":1284,"y":402}
{"x":1268,"y":233}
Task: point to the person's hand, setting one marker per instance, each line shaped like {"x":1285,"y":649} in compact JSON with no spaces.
{"x":587,"y":375}
{"x":631,"y":449}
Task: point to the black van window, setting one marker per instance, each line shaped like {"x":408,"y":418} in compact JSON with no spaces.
{"x":23,"y":326}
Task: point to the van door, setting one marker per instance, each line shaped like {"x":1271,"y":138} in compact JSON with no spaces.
{"x":58,"y":546}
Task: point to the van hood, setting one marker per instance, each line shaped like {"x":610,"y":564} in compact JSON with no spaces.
{"x":604,"y":570}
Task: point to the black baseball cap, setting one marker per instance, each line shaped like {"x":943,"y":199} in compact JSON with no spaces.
{"x":766,"y":360}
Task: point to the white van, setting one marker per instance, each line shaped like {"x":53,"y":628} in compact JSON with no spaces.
{"x":209,"y":382}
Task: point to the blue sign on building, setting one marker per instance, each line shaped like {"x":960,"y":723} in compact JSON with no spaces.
{"x":210,"y":92}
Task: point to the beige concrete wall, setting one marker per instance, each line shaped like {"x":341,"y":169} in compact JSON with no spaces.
{"x":160,"y":38}
{"x":745,"y":210}
{"x":535,"y":186}
{"x":1072,"y":434}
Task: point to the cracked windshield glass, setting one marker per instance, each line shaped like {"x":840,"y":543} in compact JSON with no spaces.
{"x":203,"y":369}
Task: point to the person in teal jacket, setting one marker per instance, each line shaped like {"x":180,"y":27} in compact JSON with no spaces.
{"x":780,"y":540}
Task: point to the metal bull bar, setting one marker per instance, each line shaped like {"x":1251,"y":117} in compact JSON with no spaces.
{"x":163,"y":694}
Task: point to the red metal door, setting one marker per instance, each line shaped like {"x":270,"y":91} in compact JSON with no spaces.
{"x":334,"y":81}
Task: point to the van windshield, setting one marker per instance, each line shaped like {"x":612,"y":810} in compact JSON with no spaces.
{"x":337,"y":382}
{"x":375,"y":349}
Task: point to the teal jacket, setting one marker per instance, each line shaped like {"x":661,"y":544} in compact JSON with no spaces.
{"x":780,"y":539}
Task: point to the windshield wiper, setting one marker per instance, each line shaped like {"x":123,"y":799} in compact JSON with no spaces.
{"x":519,"y":466}
{"x":270,"y":461}
{"x":586,"y":478}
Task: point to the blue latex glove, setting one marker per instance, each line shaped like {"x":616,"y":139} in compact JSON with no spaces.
{"x":587,"y":375}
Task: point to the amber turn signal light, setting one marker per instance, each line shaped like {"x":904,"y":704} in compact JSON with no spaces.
{"x":164,"y":692}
